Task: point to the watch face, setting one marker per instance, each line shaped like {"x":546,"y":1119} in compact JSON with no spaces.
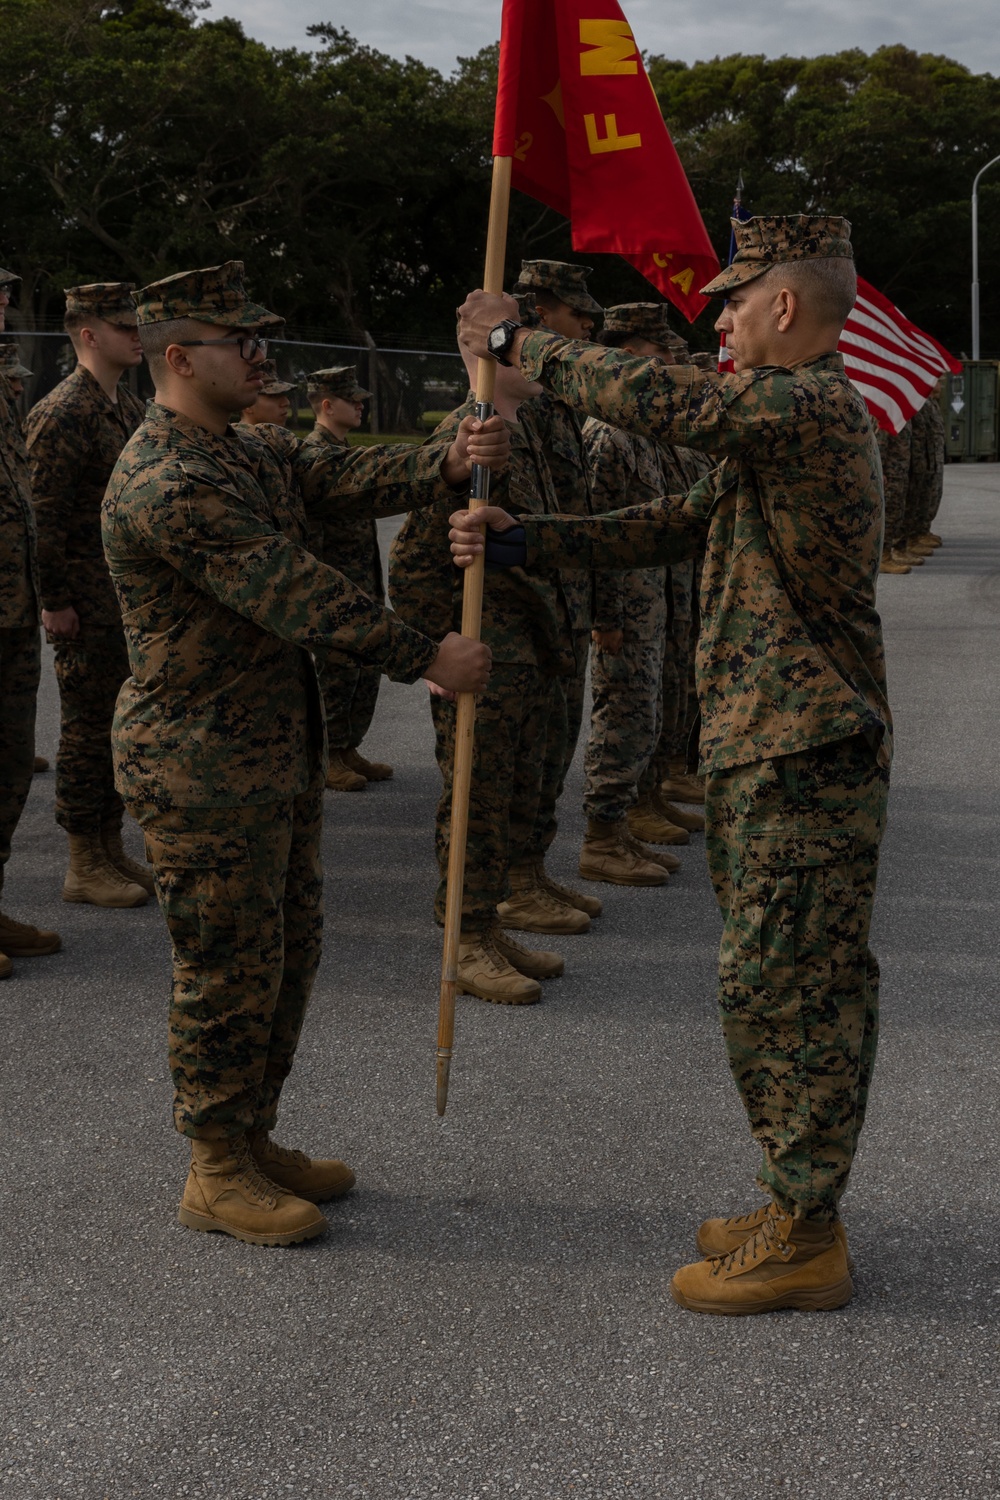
{"x":497,"y":339}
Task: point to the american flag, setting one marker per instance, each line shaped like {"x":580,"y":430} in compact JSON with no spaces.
{"x":892,"y":362}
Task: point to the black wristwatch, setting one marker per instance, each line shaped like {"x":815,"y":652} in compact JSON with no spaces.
{"x":500,"y":339}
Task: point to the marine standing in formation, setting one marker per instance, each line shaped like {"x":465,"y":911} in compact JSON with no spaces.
{"x":20,"y":649}
{"x":218,"y":735}
{"x":795,"y":730}
{"x":350,"y":689}
{"x":74,"y":437}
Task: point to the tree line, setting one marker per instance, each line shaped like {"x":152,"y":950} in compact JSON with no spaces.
{"x":140,"y":139}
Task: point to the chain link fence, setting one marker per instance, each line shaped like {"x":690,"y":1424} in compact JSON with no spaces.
{"x":411,"y":388}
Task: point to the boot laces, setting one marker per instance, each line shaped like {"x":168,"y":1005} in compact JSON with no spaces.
{"x":252,"y":1180}
{"x":286,"y":1155}
{"x":757,"y":1247}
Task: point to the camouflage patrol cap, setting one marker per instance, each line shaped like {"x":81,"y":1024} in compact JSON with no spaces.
{"x":774,"y":240}
{"x":564,"y":280}
{"x":10,"y":362}
{"x":272,"y":385}
{"x":638,"y":320}
{"x":110,"y":301}
{"x":6,"y":277}
{"x":679,"y":348}
{"x":339,"y":381}
{"x":215,"y":294}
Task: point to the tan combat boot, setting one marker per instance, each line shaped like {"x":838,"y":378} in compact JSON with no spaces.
{"x":340,"y":777}
{"x":903,"y":555}
{"x":661,"y":857}
{"x":718,"y":1237}
{"x":92,"y":877}
{"x":40,"y":764}
{"x":225,"y":1191}
{"x":694,"y":822}
{"x":483,"y":972}
{"x":652,"y":827}
{"x":532,"y":908}
{"x":891,"y":564}
{"x":565,"y":893}
{"x":931,"y":539}
{"x":536,"y":963}
{"x":296,"y":1173}
{"x":6,"y":967}
{"x":608,"y":855}
{"x":371,"y":770}
{"x":786,"y":1263}
{"x":111,"y":839}
{"x":680,"y":784}
{"x":21,"y":940}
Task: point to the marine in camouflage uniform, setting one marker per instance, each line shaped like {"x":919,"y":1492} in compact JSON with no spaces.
{"x":526,"y":622}
{"x":273,"y":402}
{"x":218,"y":736}
{"x":350,"y":691}
{"x":894,"y":452}
{"x":796,"y":728}
{"x":20,"y":652}
{"x":553,"y":294}
{"x":926,"y":477}
{"x":74,"y":437}
{"x":626,"y":668}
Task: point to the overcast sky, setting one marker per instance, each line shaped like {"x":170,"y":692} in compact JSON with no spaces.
{"x":438,"y":31}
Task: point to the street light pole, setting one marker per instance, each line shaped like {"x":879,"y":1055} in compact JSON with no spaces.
{"x":975,"y":256}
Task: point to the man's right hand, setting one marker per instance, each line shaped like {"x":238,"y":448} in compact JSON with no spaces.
{"x":461,"y":665}
{"x":62,"y":624}
{"x":466,"y":534}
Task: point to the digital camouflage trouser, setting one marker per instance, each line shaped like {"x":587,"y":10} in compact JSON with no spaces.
{"x":90,"y":672}
{"x":561,"y":735}
{"x":20,"y":668}
{"x":241,"y":889}
{"x":793,"y":853}
{"x":675,"y":689}
{"x":626,"y":689}
{"x":923,"y":499}
{"x":508,"y":750}
{"x":350,"y":694}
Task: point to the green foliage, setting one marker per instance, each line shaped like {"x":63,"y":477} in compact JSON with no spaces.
{"x":141,"y":139}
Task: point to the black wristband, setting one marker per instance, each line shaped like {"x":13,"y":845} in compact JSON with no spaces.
{"x":506,"y":549}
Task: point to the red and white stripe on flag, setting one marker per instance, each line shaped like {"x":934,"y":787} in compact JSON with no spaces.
{"x":892,"y":362}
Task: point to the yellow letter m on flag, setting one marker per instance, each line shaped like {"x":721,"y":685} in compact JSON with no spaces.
{"x":613,"y":49}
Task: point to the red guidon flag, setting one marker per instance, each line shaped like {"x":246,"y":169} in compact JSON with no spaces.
{"x":577,"y":112}
{"x":893,"y":363}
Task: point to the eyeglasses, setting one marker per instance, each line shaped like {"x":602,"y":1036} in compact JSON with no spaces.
{"x":248,"y":345}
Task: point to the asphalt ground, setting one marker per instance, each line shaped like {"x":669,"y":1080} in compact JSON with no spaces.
{"x":489,"y":1315}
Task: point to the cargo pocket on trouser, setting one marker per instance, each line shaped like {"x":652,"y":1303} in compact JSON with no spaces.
{"x":796,"y":907}
{"x":206,"y":888}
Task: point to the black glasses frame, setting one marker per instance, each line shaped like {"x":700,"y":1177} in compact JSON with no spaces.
{"x":242,"y":342}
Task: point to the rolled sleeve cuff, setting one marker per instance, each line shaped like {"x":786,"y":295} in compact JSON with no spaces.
{"x":409,"y":653}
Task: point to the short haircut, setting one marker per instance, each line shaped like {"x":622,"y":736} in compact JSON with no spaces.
{"x":316,"y":401}
{"x":827,"y":285}
{"x":542,"y":297}
{"x":156,"y":338}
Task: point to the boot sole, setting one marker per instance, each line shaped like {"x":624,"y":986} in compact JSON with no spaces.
{"x":513,"y":925}
{"x":106,"y":905}
{"x":33,"y":952}
{"x":191,"y":1220}
{"x":816,"y":1299}
{"x":465,"y":989}
{"x":620,"y":880}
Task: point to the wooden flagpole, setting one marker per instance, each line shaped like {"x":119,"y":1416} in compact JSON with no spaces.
{"x":472,"y":614}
